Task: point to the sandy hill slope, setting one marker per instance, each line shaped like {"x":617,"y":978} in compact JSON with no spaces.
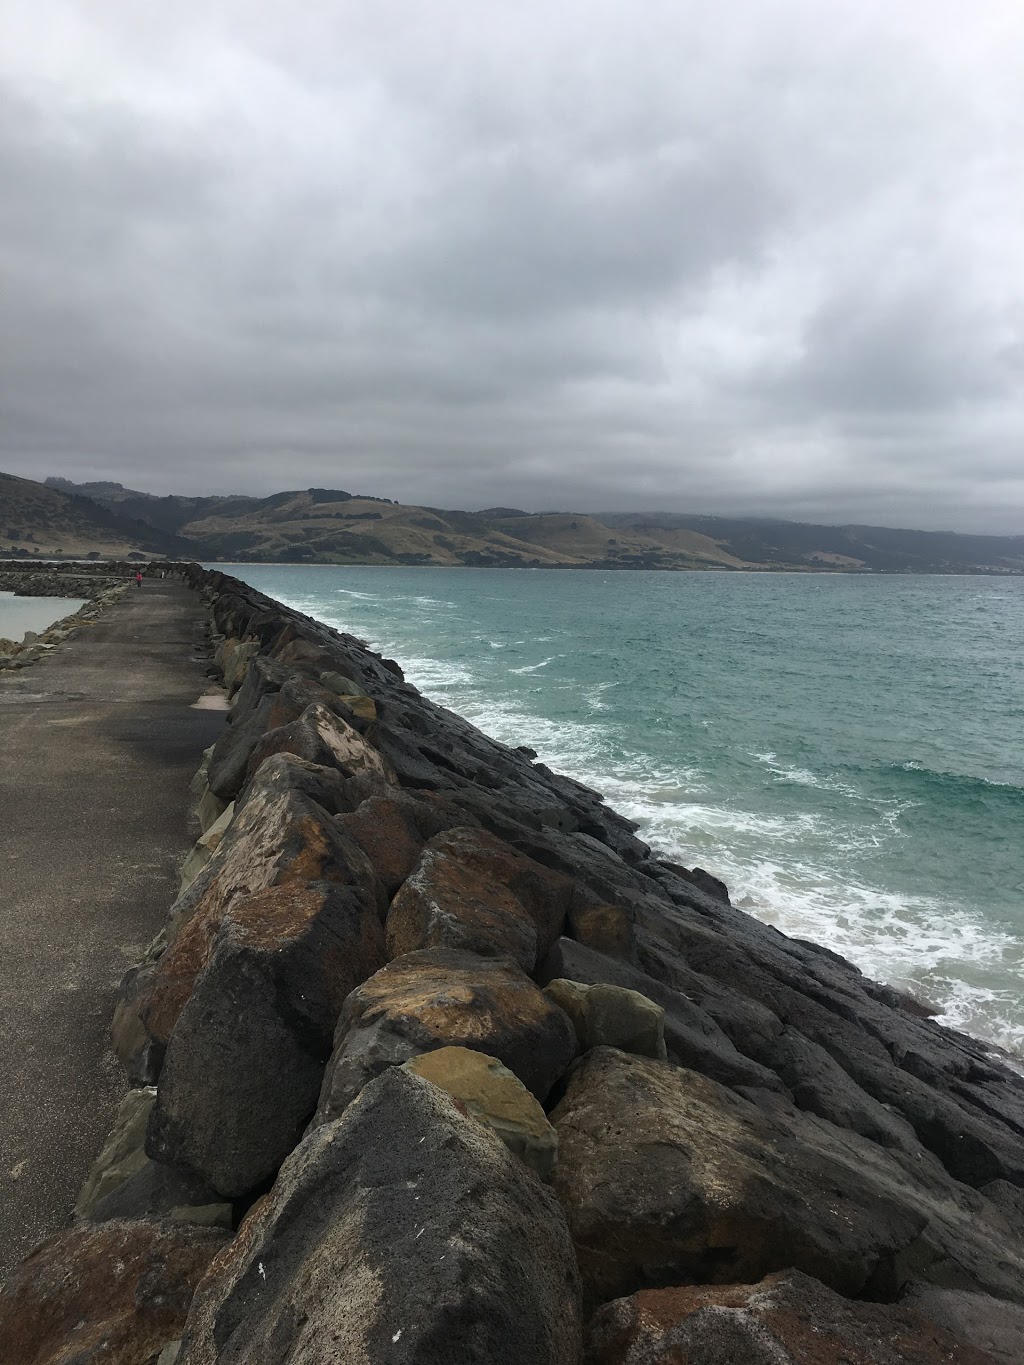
{"x":330,"y":525}
{"x":40,"y":521}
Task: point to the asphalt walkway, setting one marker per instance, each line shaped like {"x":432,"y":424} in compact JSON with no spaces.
{"x":98,"y":743}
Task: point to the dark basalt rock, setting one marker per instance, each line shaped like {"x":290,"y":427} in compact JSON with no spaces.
{"x":789,"y":1318}
{"x":405,"y":1233}
{"x":667,"y":1177}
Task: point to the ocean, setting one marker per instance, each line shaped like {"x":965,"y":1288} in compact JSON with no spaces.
{"x":846,"y":752}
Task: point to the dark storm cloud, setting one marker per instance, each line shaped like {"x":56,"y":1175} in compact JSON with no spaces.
{"x":761,"y":260}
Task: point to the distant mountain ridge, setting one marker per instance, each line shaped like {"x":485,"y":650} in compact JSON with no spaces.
{"x":322,"y":525}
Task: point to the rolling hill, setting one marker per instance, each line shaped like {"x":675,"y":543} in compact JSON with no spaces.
{"x":37,"y":520}
{"x":324,"y":525}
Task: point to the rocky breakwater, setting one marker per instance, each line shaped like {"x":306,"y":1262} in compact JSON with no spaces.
{"x":100,"y":586}
{"x":436,"y":1061}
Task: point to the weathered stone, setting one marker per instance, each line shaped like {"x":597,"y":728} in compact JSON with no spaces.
{"x":209,"y":810}
{"x":340,"y":685}
{"x":606,"y":928}
{"x":611,"y":1016}
{"x":319,"y":736}
{"x":491,"y":1093}
{"x":264,"y":711}
{"x":280,"y":836}
{"x":236,"y":660}
{"x":206,"y":846}
{"x":473,"y":891}
{"x":990,"y":1325}
{"x":247,"y":1006}
{"x":287,"y":774}
{"x":403,"y":1234}
{"x":123,"y":1154}
{"x":392,"y":830}
{"x":786,"y":1319}
{"x":693,"y":1038}
{"x":667,"y":1177}
{"x":159,"y":1191}
{"x":440,"y":997}
{"x":103,"y":1294}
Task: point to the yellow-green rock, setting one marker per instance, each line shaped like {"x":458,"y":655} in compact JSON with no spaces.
{"x":491,"y":1093}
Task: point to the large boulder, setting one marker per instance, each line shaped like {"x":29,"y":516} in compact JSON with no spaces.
{"x":278,"y":836}
{"x":786,"y":1319}
{"x":470,"y":890}
{"x":321,"y":736}
{"x":439,"y":998}
{"x":404,"y":1233}
{"x":392,"y":828}
{"x":248,"y":1008}
{"x":693,"y":1037}
{"x":103,"y":1294}
{"x":668,"y":1177}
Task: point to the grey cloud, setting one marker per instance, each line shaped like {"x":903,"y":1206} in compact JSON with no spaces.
{"x":758,"y":261}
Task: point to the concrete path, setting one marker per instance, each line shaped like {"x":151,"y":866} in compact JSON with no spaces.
{"x":98,"y":743}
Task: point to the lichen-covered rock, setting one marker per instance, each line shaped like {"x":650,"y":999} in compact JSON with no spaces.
{"x":786,"y":1319}
{"x":491,"y":1093}
{"x":668,"y":1177}
{"x":473,"y":891}
{"x":248,"y":1006}
{"x":320,"y":736}
{"x":611,"y":1016}
{"x":391,"y":830}
{"x":103,"y":1294}
{"x":278,"y":836}
{"x":405,"y":1233}
{"x":437,"y":998}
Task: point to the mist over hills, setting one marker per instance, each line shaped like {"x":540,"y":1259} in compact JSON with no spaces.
{"x":323,"y":525}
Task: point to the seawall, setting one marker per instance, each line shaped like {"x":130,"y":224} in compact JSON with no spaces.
{"x":435,"y":1060}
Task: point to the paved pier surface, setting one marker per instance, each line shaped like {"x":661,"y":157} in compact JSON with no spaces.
{"x":98,"y":744}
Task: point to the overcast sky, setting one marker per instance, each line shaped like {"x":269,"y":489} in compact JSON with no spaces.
{"x":755,"y":256}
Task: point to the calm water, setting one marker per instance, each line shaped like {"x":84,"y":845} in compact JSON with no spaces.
{"x":18,"y":614}
{"x":848,"y":753}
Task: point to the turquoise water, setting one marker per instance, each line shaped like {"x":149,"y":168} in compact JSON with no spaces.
{"x":846,"y":752}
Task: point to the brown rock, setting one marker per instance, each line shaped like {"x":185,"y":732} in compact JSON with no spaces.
{"x":391,"y":830}
{"x":472,"y":891}
{"x":440,"y":997}
{"x":324,"y":940}
{"x":104,"y":1294}
{"x":278,"y":836}
{"x":248,"y":1008}
{"x":605,"y":928}
{"x":786,"y":1319}
{"x":491,"y":1093}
